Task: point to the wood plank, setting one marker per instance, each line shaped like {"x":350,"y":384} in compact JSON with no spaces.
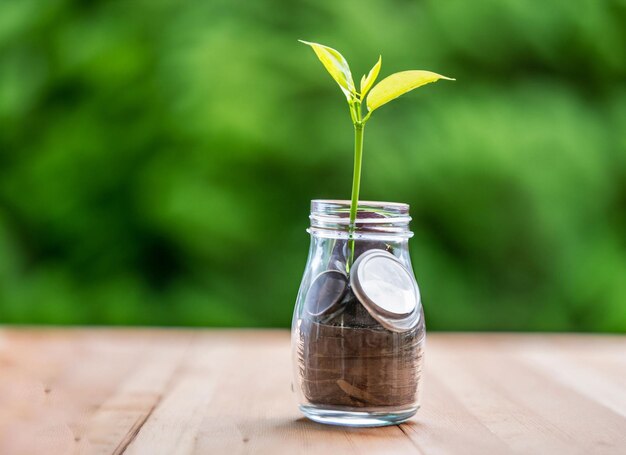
{"x":116,"y":423}
{"x":444,"y":424}
{"x":102,"y":391}
{"x":527,"y":410}
{"x":256,"y":412}
{"x":54,"y":382}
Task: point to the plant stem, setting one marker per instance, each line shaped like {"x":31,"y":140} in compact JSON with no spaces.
{"x":356,"y":181}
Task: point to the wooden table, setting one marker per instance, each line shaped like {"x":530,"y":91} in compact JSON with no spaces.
{"x":102,"y":391}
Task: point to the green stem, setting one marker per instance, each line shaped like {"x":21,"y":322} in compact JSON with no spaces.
{"x":356,"y":181}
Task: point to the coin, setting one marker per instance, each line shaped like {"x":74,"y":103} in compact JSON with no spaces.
{"x":326,"y":292}
{"x":341,"y":249}
{"x":386,"y":288}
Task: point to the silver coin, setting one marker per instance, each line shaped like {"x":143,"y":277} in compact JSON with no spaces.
{"x":385,"y":287}
{"x":326,"y":292}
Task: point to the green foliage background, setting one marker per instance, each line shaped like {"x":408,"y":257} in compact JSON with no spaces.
{"x":157,"y":158}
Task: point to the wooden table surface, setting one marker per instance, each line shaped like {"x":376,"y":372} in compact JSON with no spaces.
{"x":103,"y":391}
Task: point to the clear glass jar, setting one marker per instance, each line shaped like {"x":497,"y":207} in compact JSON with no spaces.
{"x":358,"y":330}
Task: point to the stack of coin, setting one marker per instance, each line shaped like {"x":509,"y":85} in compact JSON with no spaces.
{"x":358,"y":366}
{"x":359,"y":344}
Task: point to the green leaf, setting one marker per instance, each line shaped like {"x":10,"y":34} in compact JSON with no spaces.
{"x":368,"y":81}
{"x":398,"y":84}
{"x":336,"y":65}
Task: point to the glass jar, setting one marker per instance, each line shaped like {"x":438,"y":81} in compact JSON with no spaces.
{"x":358,"y":327}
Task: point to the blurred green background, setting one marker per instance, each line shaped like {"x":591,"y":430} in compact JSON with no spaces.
{"x":157,"y":158}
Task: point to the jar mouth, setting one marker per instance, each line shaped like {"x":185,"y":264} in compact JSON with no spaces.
{"x":331,"y":217}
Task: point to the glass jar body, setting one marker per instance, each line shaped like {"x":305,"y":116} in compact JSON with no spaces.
{"x":354,"y":364}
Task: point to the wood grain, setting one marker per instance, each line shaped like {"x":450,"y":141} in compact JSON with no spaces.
{"x":114,"y":391}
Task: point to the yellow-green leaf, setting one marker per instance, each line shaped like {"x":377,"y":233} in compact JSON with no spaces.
{"x":336,"y":65}
{"x":398,"y":84}
{"x":368,"y":81}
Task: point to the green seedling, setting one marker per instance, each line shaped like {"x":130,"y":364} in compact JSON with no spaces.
{"x":373,"y":96}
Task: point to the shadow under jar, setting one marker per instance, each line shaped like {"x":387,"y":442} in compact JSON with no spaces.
{"x":358,"y":330}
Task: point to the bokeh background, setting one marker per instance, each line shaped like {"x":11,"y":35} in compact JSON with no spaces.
{"x":157,"y":158}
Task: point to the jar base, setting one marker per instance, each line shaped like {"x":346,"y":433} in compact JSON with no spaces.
{"x":357,"y":418}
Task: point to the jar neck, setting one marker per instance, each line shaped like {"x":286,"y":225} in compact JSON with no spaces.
{"x":380,"y":220}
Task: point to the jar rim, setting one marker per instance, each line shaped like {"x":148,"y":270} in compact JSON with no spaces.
{"x":331,"y":217}
{"x":399,"y":207}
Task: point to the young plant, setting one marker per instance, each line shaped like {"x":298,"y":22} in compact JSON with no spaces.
{"x":377,"y":95}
